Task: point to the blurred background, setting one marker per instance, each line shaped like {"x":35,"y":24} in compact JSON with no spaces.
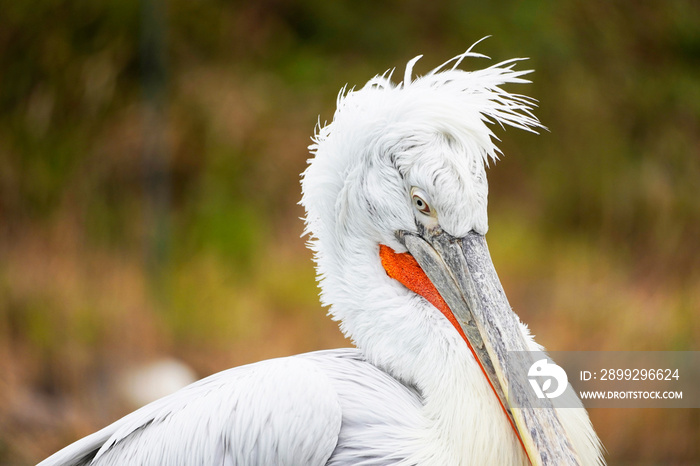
{"x":149,"y":163}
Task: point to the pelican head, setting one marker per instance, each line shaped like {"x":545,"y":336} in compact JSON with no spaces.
{"x":396,"y":198}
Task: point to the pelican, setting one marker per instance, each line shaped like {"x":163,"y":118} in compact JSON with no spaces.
{"x":395,"y":196}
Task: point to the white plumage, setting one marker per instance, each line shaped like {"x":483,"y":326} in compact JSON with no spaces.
{"x":412,"y":392}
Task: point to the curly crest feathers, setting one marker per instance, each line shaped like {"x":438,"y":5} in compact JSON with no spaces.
{"x":382,"y":117}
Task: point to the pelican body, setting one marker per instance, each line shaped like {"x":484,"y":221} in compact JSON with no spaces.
{"x":395,"y":197}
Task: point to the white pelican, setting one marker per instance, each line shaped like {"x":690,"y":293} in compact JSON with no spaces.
{"x":395,"y":196}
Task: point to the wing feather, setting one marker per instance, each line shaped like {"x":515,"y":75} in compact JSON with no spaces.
{"x":328,"y":407}
{"x":277,"y":412}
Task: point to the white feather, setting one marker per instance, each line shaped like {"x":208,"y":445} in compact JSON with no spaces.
{"x":412,"y":392}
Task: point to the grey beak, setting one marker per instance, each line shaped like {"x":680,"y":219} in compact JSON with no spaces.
{"x":462,"y":271}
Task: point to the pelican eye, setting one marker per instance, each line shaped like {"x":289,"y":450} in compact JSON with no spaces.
{"x":420,"y":203}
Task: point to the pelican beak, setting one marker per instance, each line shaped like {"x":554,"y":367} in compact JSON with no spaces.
{"x":461,"y":271}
